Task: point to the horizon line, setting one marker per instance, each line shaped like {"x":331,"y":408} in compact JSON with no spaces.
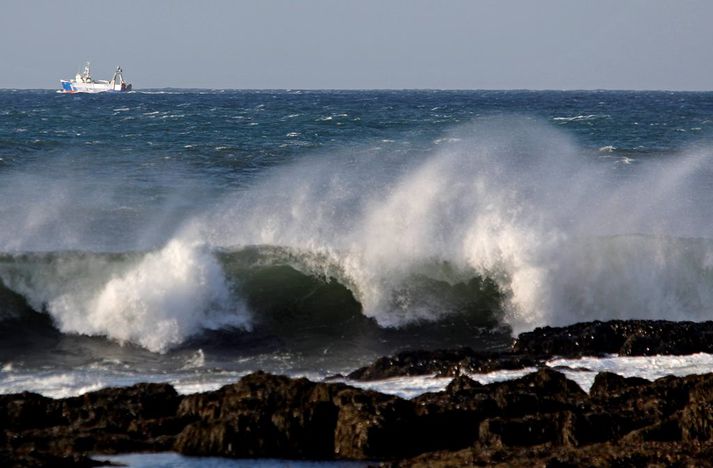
{"x":395,"y":89}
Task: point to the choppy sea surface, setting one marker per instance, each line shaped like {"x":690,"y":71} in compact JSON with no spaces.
{"x":192,"y":236}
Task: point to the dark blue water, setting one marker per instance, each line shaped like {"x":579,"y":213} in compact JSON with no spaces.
{"x":155,"y":145}
{"x":194,"y":235}
{"x":243,"y":131}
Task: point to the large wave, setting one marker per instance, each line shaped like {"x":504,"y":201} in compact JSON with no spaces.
{"x":565,"y":236}
{"x":159,"y":299}
{"x":511,"y":222}
{"x":156,"y":300}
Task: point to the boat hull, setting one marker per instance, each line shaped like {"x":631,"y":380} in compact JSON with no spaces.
{"x":71,"y":87}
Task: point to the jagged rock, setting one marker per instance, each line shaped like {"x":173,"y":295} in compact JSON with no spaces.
{"x":535,"y":429}
{"x":625,"y":337}
{"x":696,"y":420}
{"x":136,"y":418}
{"x":453,"y":416}
{"x":442,"y":363}
{"x":544,"y":391}
{"x":266,"y":415}
{"x":608,"y":384}
{"x":604,"y":455}
{"x":116,"y":408}
{"x":533,"y":349}
{"x":261,"y":415}
{"x":28,"y":411}
{"x":41,"y":460}
{"x":541,"y":419}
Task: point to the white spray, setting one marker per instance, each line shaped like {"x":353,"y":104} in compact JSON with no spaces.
{"x":156,"y":300}
{"x":568,"y":237}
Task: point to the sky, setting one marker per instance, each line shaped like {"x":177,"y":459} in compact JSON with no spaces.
{"x":365,"y":44}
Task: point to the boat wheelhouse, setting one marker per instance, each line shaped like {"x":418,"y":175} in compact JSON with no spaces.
{"x":84,"y":83}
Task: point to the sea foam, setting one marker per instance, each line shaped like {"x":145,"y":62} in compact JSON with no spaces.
{"x":567,"y":236}
{"x":168,"y":296}
{"x":156,"y":300}
{"x":66,"y":383}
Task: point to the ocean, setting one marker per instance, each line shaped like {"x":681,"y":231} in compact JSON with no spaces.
{"x":193,"y":236}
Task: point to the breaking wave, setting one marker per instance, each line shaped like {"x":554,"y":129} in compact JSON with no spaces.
{"x":156,"y":300}
{"x":159,"y":299}
{"x":509,"y":223}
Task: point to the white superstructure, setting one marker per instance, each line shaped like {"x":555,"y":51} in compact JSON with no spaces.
{"x":84,"y":83}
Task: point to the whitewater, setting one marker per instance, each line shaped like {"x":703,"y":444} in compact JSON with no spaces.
{"x":193,"y":237}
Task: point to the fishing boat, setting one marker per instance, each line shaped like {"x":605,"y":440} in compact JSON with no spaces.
{"x":84,"y":83}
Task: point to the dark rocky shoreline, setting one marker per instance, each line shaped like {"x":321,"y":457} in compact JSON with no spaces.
{"x":542,"y":419}
{"x":533,"y":349}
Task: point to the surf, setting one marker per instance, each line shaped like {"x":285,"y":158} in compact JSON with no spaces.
{"x":511,"y":223}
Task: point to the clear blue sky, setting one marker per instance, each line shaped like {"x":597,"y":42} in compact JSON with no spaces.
{"x":464,"y":44}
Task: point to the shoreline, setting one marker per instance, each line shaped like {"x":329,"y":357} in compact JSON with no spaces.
{"x":535,"y":348}
{"x":540,"y":419}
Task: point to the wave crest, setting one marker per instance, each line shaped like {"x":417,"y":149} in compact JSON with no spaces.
{"x":156,"y":301}
{"x":510,"y":221}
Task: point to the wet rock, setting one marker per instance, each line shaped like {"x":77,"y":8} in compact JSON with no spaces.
{"x":634,"y":455}
{"x":453,"y":416}
{"x":696,"y":420}
{"x":262,"y":415}
{"x":265,"y":415}
{"x":442,"y":363}
{"x":28,"y":410}
{"x":40,"y":459}
{"x":535,"y":348}
{"x":529,"y":430}
{"x":541,"y":419}
{"x":463,"y":384}
{"x":543,"y":391}
{"x":608,"y":384}
{"x":371,"y":426}
{"x":625,"y":337}
{"x":117,"y":408}
{"x":136,"y":418}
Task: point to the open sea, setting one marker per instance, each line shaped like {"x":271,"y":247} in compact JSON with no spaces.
{"x":192,"y":236}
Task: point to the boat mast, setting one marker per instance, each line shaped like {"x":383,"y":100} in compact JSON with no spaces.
{"x":118,"y":74}
{"x":86,"y":76}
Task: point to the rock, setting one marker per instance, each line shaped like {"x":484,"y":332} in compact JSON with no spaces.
{"x":608,"y":384}
{"x":544,"y":391}
{"x":625,"y":337}
{"x":535,"y":348}
{"x":607,"y":454}
{"x":372,"y":426}
{"x":463,"y":384}
{"x":500,"y":412}
{"x":261,"y":415}
{"x":118,"y":407}
{"x":592,"y":338}
{"x":28,"y":410}
{"x":452,"y":417}
{"x":40,"y":459}
{"x":696,"y":419}
{"x":541,"y":419}
{"x":136,"y":418}
{"x":265,"y":415}
{"x":442,"y":363}
{"x":528,"y":430}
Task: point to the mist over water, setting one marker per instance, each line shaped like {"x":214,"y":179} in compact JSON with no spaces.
{"x":427,"y":225}
{"x":565,"y":236}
